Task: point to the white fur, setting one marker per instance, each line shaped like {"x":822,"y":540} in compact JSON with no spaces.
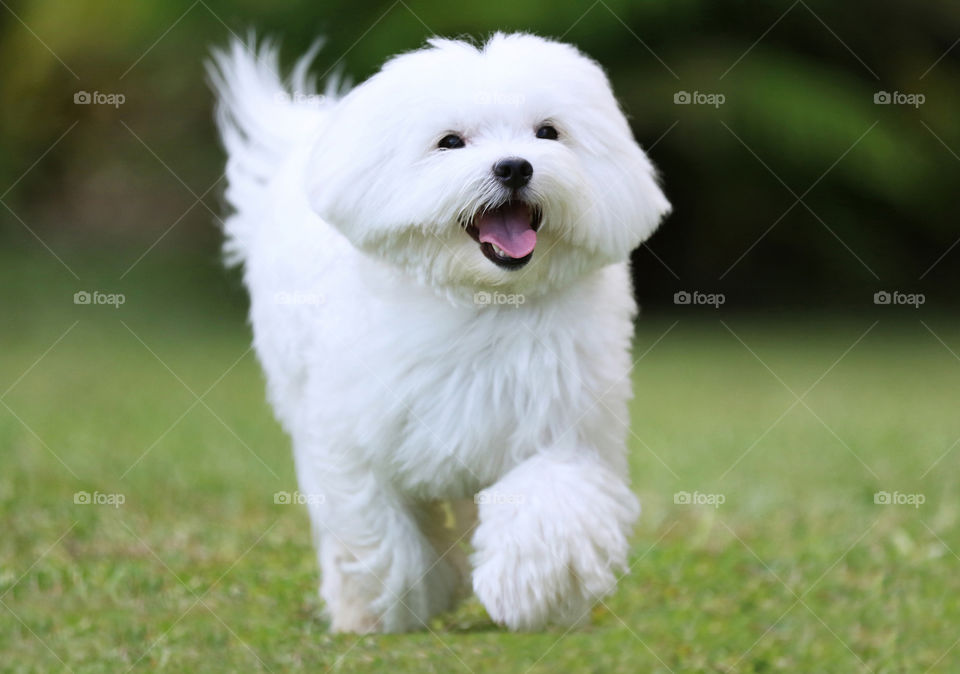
{"x":399,"y":390}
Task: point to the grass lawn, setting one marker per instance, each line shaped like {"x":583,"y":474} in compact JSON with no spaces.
{"x":798,"y":570}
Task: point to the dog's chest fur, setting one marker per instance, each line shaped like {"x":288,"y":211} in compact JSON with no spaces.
{"x":444,"y":399}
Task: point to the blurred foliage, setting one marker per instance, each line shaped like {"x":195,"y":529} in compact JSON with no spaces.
{"x":799,"y":120}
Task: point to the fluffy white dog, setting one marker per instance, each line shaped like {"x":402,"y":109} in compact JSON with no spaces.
{"x":441,"y":301}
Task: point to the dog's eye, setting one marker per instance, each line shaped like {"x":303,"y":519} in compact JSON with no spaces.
{"x":450,"y":142}
{"x":547,"y":132}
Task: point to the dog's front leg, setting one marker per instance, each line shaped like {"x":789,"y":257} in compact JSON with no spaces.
{"x":551,"y":535}
{"x":379,"y":572}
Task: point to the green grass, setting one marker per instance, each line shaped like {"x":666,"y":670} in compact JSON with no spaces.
{"x":797,"y":571}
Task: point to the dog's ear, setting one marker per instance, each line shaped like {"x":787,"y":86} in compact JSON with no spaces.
{"x":344,"y":172}
{"x":359,"y":175}
{"x":626,"y":204}
{"x":627,"y":197}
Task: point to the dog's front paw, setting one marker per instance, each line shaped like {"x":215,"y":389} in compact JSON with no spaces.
{"x":550,"y":538}
{"x":527,"y":582}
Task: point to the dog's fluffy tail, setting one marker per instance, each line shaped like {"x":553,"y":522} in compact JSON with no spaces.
{"x":261,"y":118}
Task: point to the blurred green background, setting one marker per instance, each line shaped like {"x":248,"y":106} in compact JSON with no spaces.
{"x":798,"y":120}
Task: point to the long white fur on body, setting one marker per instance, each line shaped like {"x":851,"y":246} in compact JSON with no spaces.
{"x":402,"y":380}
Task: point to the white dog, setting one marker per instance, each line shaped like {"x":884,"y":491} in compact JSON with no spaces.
{"x":441,"y":301}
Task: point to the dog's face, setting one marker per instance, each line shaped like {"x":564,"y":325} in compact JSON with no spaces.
{"x":506,"y":167}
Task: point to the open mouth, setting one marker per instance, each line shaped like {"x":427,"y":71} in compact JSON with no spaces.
{"x":507,"y":234}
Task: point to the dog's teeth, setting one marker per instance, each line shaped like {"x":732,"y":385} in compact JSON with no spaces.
{"x":498,"y":250}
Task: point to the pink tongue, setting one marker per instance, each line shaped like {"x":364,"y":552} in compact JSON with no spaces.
{"x":509,"y":228}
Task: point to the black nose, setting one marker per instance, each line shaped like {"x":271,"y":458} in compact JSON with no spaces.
{"x":513,"y":172}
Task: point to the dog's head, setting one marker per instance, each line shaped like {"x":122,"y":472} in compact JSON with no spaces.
{"x":505,"y":167}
